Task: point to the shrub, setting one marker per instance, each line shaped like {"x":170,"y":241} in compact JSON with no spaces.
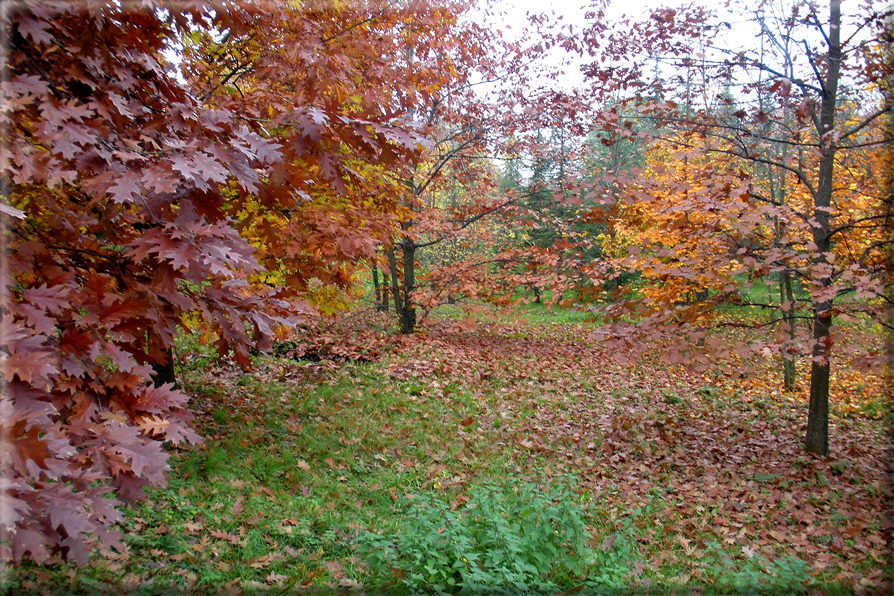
{"x":504,"y":540}
{"x":757,"y":575}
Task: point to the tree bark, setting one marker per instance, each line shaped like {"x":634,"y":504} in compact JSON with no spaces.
{"x":787,"y":302}
{"x":376,"y":290}
{"x":817,"y":437}
{"x":164,"y":373}
{"x":395,"y":287}
{"x":381,"y":291}
{"x":817,"y":440}
{"x":408,"y":311}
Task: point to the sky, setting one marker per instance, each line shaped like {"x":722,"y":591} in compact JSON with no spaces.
{"x":572,"y":8}
{"x":572,"y":12}
{"x":741,"y":36}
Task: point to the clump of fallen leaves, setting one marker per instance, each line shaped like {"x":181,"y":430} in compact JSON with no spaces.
{"x":356,"y":338}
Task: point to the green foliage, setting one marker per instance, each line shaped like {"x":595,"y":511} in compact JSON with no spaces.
{"x":514,"y":540}
{"x":611,"y":570}
{"x":757,"y":574}
{"x":193,"y":351}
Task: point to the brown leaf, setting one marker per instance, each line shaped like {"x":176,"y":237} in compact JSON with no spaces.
{"x":607,"y":542}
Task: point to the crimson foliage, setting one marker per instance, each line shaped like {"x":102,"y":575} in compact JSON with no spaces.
{"x":117,"y":184}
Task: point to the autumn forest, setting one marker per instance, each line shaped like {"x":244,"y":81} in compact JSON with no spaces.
{"x":439,"y":297}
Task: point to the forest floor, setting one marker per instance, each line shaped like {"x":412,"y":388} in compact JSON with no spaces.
{"x":688,"y":483}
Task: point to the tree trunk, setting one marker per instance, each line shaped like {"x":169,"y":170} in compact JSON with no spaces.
{"x":376,"y":289}
{"x":164,"y":373}
{"x":381,"y":291}
{"x":408,"y":311}
{"x":817,"y":438}
{"x":395,"y":287}
{"x":787,"y":303}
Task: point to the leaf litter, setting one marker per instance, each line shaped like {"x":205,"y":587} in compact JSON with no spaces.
{"x":690,"y":460}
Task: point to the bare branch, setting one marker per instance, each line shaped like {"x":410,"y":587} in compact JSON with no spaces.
{"x":867,"y":121}
{"x":466,"y":223}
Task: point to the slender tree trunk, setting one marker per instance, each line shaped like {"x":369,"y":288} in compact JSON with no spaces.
{"x":377,"y":290}
{"x":408,"y":311}
{"x":395,"y":287}
{"x":789,"y":377}
{"x":787,"y":303}
{"x":380,"y":289}
{"x":817,"y":437}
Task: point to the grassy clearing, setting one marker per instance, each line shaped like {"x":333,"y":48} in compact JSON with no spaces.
{"x":530,"y":313}
{"x":332,"y":477}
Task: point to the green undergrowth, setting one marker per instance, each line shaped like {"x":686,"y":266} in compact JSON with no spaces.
{"x":502,"y":539}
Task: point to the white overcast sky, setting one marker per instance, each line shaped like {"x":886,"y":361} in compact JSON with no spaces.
{"x":741,"y":36}
{"x":572,"y":12}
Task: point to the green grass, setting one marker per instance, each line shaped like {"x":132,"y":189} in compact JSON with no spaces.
{"x":537,"y":314}
{"x":528,"y":313}
{"x":291,"y":474}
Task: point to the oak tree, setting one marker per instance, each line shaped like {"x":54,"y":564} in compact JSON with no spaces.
{"x":132,"y":201}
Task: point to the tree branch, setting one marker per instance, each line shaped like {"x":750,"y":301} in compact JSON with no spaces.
{"x":466,"y":223}
{"x":867,"y":121}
